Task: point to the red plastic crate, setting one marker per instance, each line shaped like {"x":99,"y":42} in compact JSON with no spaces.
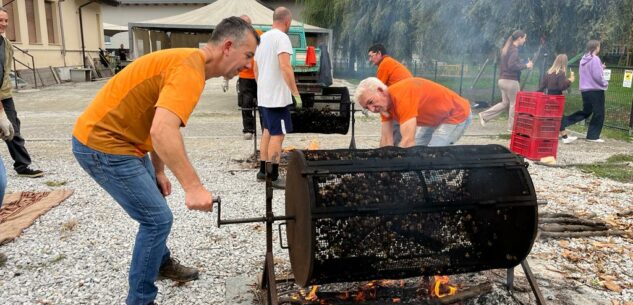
{"x":540,"y":104}
{"x":533,"y":148}
{"x":536,"y":127}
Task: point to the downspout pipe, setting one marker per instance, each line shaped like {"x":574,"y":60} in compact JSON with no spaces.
{"x":81,"y":30}
{"x":61,"y":25}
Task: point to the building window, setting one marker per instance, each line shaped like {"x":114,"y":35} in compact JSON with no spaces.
{"x":10,"y":31}
{"x":32,"y":21}
{"x":52,"y":22}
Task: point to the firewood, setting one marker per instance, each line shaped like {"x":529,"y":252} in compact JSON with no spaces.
{"x":555,"y":215}
{"x":571,"y":228}
{"x":581,"y":234}
{"x":625,"y":213}
{"x":572,"y":221}
{"x":463,"y":295}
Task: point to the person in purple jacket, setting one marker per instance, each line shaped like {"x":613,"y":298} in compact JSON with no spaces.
{"x":592,"y":87}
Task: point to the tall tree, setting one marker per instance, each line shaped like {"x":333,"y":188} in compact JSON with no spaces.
{"x":440,"y":28}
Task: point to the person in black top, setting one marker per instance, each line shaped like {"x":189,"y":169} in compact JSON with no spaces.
{"x":122,"y":53}
{"x":555,"y":82}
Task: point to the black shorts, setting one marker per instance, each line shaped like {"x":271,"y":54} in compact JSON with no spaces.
{"x":276,"y":120}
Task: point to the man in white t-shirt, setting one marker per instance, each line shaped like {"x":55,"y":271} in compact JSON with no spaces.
{"x":275,"y":89}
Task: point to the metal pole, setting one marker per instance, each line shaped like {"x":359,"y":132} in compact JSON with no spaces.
{"x":631,"y":120}
{"x":540,"y":77}
{"x":34,"y":76}
{"x":81,"y":31}
{"x":494,"y":82}
{"x":461,"y":77}
{"x":435,"y":77}
{"x":15,"y":73}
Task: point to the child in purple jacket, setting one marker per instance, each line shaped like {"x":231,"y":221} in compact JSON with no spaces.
{"x":592,"y":87}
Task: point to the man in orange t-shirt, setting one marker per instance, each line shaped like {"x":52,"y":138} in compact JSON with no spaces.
{"x":137,"y":114}
{"x":429,"y":113}
{"x":390,"y":71}
{"x":247,"y":94}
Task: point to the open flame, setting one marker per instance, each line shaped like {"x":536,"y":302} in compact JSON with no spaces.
{"x":314,"y":144}
{"x":312,"y":296}
{"x":441,"y":288}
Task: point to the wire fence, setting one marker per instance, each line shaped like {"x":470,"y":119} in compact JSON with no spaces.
{"x":476,"y":80}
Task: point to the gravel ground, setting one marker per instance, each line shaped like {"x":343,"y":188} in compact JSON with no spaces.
{"x":79,"y":252}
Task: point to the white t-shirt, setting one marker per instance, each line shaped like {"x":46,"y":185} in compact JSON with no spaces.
{"x":272,"y":90}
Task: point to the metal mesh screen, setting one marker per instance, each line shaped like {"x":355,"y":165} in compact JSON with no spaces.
{"x":328,"y":112}
{"x":396,"y":213}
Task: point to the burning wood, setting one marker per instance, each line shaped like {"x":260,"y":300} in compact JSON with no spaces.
{"x":440,"y":287}
{"x":312,"y":296}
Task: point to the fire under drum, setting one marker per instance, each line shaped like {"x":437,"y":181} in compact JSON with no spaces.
{"x":393,"y":213}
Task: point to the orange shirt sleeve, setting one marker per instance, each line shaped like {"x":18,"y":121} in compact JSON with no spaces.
{"x":182,"y":89}
{"x":405,"y":102}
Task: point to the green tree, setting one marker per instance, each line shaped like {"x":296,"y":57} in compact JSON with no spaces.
{"x":441,"y":28}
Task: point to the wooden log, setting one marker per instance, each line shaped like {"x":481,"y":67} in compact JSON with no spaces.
{"x":574,"y":221}
{"x":625,"y":213}
{"x":581,"y":234}
{"x":463,"y":295}
{"x":555,"y":215}
{"x":570,"y":228}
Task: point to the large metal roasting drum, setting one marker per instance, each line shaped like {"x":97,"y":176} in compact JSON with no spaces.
{"x":327,"y":112}
{"x":397,"y":213}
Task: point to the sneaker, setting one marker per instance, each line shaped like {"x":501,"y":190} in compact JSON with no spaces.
{"x":596,"y":140}
{"x":248,"y":136}
{"x":3,"y":259}
{"x":173,"y":270}
{"x":280,"y":183}
{"x":31,"y":173}
{"x":569,"y":139}
{"x":482,"y":121}
{"x":261,"y":176}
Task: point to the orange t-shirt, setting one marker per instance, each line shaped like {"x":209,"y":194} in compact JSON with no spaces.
{"x":119,"y":118}
{"x":249,"y":73}
{"x":431,"y":103}
{"x":390,"y":71}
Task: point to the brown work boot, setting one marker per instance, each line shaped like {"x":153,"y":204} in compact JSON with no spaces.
{"x":173,"y":270}
{"x":3,"y":259}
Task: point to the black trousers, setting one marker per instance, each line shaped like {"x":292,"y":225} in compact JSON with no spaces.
{"x":247,"y":98}
{"x":16,"y":147}
{"x":592,"y":105}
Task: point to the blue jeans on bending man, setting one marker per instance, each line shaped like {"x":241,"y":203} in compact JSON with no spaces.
{"x":442,"y":135}
{"x":131,"y":181}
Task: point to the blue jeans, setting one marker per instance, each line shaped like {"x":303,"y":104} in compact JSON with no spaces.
{"x":3,"y":181}
{"x":442,"y":135}
{"x":131,"y":181}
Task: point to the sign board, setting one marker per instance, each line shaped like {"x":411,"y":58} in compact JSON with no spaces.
{"x":607,"y":74}
{"x":628,"y":78}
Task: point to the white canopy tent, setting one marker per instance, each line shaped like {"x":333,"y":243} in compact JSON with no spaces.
{"x":193,"y":28}
{"x":110,"y":29}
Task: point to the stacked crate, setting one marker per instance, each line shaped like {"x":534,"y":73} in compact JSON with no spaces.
{"x":537,"y":120}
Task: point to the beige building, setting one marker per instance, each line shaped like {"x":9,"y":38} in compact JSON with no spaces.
{"x":50,"y":31}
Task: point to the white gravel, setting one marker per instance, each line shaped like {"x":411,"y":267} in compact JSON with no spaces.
{"x":54,"y":262}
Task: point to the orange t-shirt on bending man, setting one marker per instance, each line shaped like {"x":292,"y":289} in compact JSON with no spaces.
{"x":119,"y":118}
{"x":249,"y":73}
{"x":430,"y":103}
{"x":390,"y":71}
